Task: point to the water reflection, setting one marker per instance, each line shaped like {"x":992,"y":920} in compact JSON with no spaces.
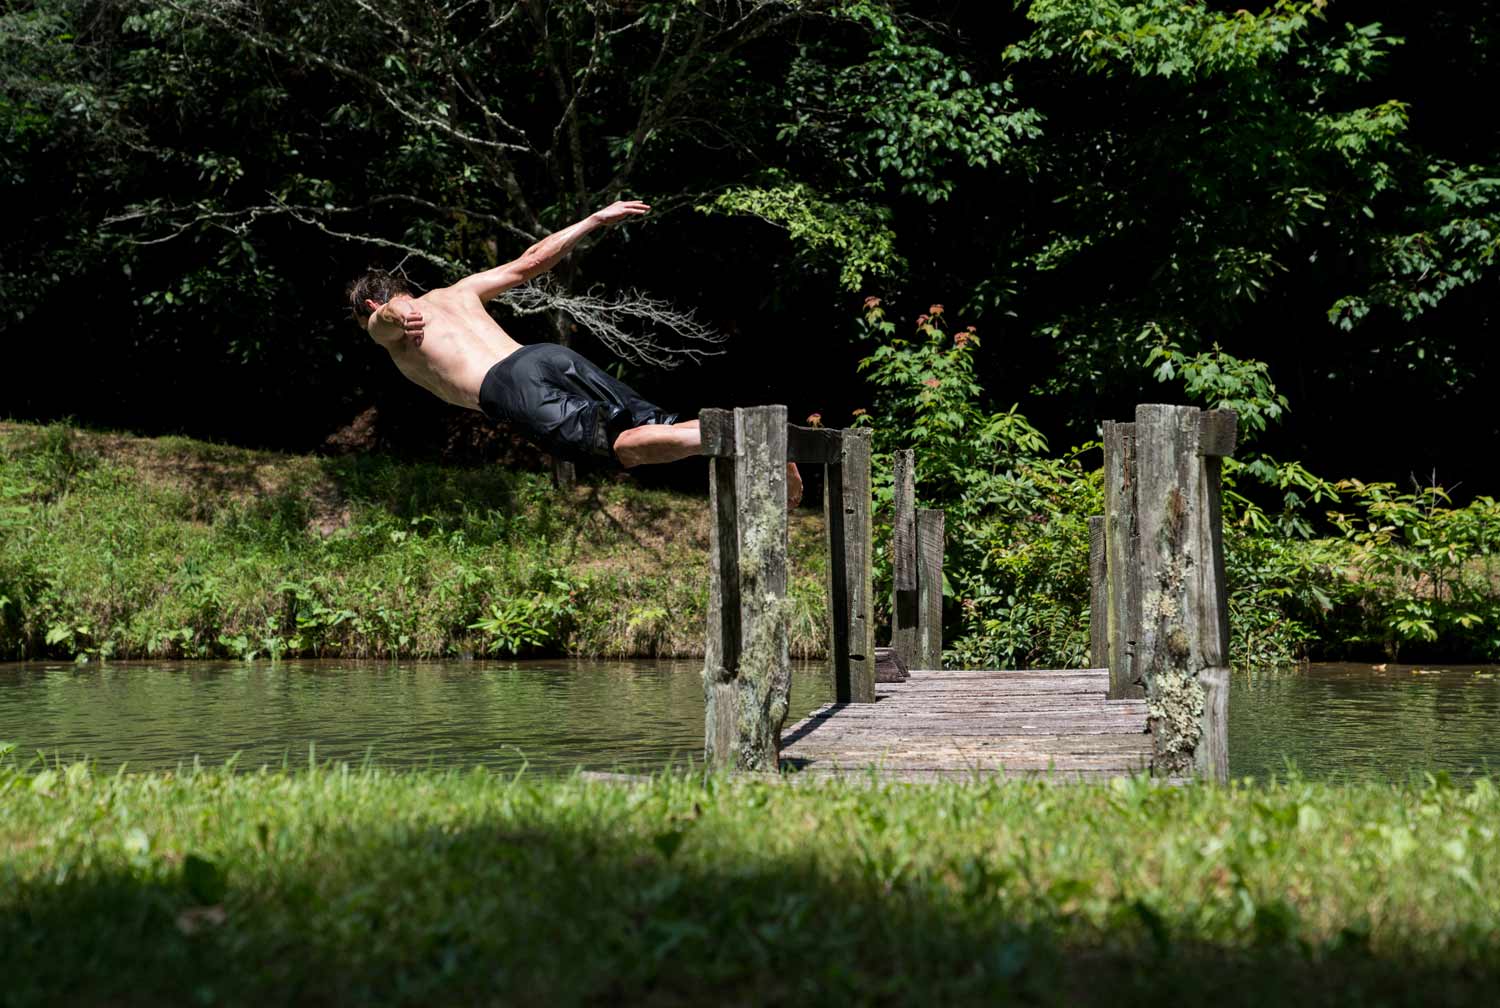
{"x":1354,"y":721}
{"x":550,"y":716}
{"x":1327,"y":720}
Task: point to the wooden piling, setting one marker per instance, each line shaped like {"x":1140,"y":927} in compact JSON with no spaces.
{"x":930,"y":544}
{"x":1098,"y":595}
{"x":1182,"y":647}
{"x":904,"y":602}
{"x":1122,"y":549}
{"x":747,"y":671}
{"x":851,"y":597}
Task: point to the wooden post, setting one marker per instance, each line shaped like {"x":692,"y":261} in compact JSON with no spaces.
{"x":1098,"y":596}
{"x":904,"y":560}
{"x":1121,"y":612}
{"x":930,"y":543}
{"x":747,"y":671}
{"x":1183,"y":644}
{"x":851,"y":595}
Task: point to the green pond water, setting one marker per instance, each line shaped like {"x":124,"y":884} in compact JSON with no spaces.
{"x":1327,"y":720}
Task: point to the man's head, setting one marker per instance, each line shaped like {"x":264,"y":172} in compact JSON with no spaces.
{"x":377,"y":286}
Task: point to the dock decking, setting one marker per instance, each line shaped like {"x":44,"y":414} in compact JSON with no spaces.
{"x":977,"y":724}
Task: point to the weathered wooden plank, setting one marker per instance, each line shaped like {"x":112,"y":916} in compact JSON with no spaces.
{"x":746,"y":705}
{"x":1007,"y":675}
{"x":984,"y":707}
{"x":1080,"y":744}
{"x":930,"y":546}
{"x":1116,"y":764}
{"x":930,"y":720}
{"x":813,"y":776}
{"x":1017,"y":687}
{"x":835,"y":738}
{"x":1122,"y":548}
{"x":904,"y":560}
{"x":815,"y":445}
{"x":1184,"y":624}
{"x":954,"y":714}
{"x":889,"y":667}
{"x":721,"y":658}
{"x":846,"y":504}
{"x":1098,"y":594}
{"x":716,"y":433}
{"x":1218,"y":430}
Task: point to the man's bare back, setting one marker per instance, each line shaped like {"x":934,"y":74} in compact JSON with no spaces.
{"x":449,"y":343}
{"x":446,"y":342}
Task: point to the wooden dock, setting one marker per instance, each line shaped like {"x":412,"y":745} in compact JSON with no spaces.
{"x":1158,"y":617}
{"x":961,"y":724}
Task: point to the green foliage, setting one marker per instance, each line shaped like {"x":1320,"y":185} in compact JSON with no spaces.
{"x":115,"y":547}
{"x":526,"y":623}
{"x":1221,"y":381}
{"x":855,"y":234}
{"x":1398,"y":571}
{"x":1016,"y":521}
{"x":1419,"y":570}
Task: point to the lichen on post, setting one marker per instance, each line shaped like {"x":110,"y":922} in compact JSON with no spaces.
{"x":1182,"y":651}
{"x":747,"y":668}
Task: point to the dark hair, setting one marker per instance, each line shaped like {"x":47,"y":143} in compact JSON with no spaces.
{"x":376,"y":285}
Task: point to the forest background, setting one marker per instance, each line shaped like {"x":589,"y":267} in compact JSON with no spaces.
{"x":980,"y":227}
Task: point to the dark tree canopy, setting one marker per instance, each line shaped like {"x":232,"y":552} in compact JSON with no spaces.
{"x":1313,"y":185}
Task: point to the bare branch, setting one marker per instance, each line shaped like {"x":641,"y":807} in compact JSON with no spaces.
{"x":628,"y":324}
{"x":181,"y":220}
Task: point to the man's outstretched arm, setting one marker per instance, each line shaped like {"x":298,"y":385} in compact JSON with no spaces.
{"x":548,"y":252}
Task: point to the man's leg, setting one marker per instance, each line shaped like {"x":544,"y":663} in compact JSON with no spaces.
{"x":650,"y":443}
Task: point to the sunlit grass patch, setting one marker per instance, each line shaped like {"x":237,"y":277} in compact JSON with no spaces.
{"x":338,"y":884}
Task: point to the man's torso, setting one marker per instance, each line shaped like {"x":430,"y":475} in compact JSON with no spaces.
{"x":460,"y":343}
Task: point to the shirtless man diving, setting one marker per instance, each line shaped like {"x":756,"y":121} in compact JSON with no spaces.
{"x":446,"y":342}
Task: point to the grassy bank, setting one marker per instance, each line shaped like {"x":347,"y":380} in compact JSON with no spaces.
{"x":346,"y":886}
{"x":115,"y":546}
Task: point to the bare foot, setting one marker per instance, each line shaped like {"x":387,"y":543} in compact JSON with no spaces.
{"x":793,"y":486}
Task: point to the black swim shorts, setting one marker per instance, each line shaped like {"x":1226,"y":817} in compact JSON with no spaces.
{"x":571,"y":408}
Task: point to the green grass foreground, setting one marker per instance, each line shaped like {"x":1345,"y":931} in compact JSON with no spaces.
{"x":113,"y":546}
{"x":340,"y":885}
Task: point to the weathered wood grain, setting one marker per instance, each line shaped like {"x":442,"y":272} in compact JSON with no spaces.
{"x":930,"y":546}
{"x":814,"y":445}
{"x":1098,"y":594}
{"x":976,"y":721}
{"x":1218,"y":430}
{"x":904,"y":560}
{"x":846,"y":505}
{"x":889,"y":667}
{"x":716,"y":433}
{"x":1122,"y":549}
{"x":721,"y":658}
{"x":1184,"y":619}
{"x":746,"y":701}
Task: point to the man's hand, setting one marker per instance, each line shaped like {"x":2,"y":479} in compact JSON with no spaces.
{"x":405,"y":316}
{"x":622,"y":210}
